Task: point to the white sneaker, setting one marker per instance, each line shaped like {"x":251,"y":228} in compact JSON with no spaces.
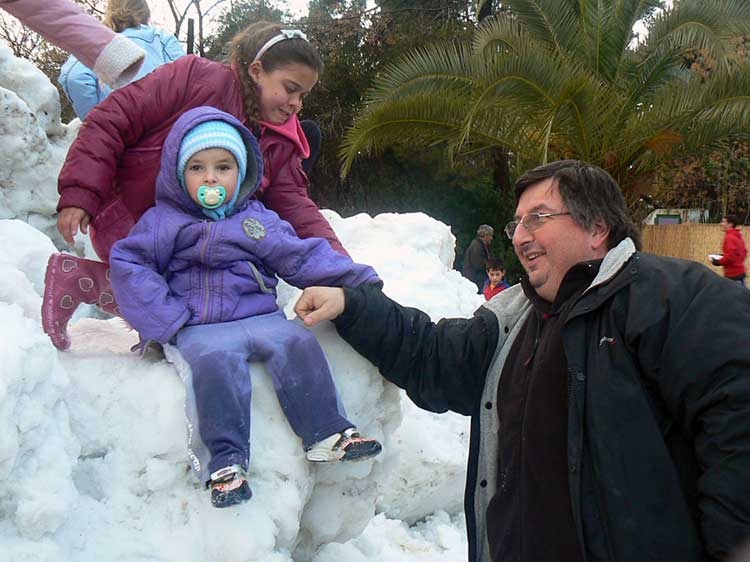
{"x":346,"y":446}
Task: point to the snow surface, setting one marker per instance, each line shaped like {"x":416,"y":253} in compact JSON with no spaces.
{"x":93,"y":462}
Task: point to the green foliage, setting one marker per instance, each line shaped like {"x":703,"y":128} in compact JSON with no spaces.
{"x":356,"y":44}
{"x":718,"y":181}
{"x":462,"y":198}
{"x":551,"y":79}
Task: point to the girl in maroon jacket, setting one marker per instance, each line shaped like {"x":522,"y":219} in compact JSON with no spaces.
{"x":108,"y":179}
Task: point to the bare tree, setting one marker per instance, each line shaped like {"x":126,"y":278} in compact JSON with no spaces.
{"x":180,"y":10}
{"x":21,"y":40}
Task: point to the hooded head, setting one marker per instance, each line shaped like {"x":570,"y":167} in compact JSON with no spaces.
{"x":216,"y":160}
{"x":210,"y":164}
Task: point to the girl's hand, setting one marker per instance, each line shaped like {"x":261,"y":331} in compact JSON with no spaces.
{"x":70,"y":220}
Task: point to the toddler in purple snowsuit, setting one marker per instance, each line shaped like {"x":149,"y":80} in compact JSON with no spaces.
{"x":198,"y":270}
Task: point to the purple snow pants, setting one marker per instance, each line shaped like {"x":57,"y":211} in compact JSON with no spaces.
{"x":218,"y":387}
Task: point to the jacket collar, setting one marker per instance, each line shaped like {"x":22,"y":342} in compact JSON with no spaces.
{"x":291,"y":130}
{"x":577,"y":280}
{"x":613,"y":262}
{"x":511,"y":304}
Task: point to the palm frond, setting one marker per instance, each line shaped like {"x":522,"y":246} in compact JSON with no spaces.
{"x":548,"y":90}
{"x":502,"y":33}
{"x":434,"y":68}
{"x":693,"y":114}
{"x":615,"y":47}
{"x":421,"y":120}
{"x":553,"y":22}
{"x":557,"y":79}
{"x":593,"y":22}
{"x":706,"y":26}
{"x":640,"y":83}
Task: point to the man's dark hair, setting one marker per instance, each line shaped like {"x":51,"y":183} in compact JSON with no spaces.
{"x":732,"y":219}
{"x":494,"y":263}
{"x":589,"y":194}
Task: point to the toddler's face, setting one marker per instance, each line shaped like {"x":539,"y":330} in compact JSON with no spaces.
{"x":282,"y":90}
{"x":212,"y":167}
{"x":496,"y":276}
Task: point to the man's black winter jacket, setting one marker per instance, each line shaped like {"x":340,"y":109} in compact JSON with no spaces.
{"x":658,"y":354}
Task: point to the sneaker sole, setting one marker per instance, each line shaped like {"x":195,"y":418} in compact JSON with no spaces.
{"x":325,"y":456}
{"x":360,"y":454}
{"x":229,"y":499}
{"x":351,"y":454}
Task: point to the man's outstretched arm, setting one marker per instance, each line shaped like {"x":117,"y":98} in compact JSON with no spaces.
{"x":441,"y":366}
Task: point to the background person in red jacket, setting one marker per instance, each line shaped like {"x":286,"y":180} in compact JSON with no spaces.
{"x":108,"y":179}
{"x":733,"y":251}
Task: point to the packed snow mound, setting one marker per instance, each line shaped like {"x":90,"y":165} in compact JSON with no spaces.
{"x":93,"y":462}
{"x":34,"y":89}
{"x":33,"y":143}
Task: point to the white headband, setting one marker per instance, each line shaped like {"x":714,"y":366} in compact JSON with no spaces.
{"x":283,"y":34}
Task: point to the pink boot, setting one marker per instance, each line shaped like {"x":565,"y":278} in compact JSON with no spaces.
{"x":69,"y":281}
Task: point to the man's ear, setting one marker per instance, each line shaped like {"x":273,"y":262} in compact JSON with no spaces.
{"x":599,"y":236}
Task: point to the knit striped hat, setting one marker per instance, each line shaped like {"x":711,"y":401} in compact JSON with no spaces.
{"x":212,"y":134}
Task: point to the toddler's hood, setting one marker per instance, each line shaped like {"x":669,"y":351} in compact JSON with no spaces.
{"x":168,"y":188}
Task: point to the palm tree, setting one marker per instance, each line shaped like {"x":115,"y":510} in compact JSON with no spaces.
{"x":552,"y":79}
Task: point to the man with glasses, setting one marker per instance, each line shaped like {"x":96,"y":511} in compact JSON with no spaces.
{"x":609,"y":391}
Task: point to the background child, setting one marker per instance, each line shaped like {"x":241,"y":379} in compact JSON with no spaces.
{"x":108,"y":178}
{"x":198,"y":270}
{"x":131,"y":19}
{"x":496,"y":274}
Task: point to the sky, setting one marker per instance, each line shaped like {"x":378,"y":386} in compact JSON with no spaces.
{"x":161,"y":15}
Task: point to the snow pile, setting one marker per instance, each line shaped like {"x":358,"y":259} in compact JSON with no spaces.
{"x":92,"y":442}
{"x":93,"y":462}
{"x":33,"y":143}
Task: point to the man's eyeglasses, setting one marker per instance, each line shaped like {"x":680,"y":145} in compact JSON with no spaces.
{"x":530,"y":222}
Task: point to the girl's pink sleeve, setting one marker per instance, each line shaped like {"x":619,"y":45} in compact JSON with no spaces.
{"x":114,"y":58}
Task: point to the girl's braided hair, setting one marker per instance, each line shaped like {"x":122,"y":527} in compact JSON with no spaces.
{"x":247,"y":43}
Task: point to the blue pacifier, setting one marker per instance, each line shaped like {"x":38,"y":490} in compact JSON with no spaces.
{"x":212,"y":197}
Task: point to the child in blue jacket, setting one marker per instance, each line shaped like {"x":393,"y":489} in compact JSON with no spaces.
{"x":198,"y":270}
{"x":131,"y":19}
